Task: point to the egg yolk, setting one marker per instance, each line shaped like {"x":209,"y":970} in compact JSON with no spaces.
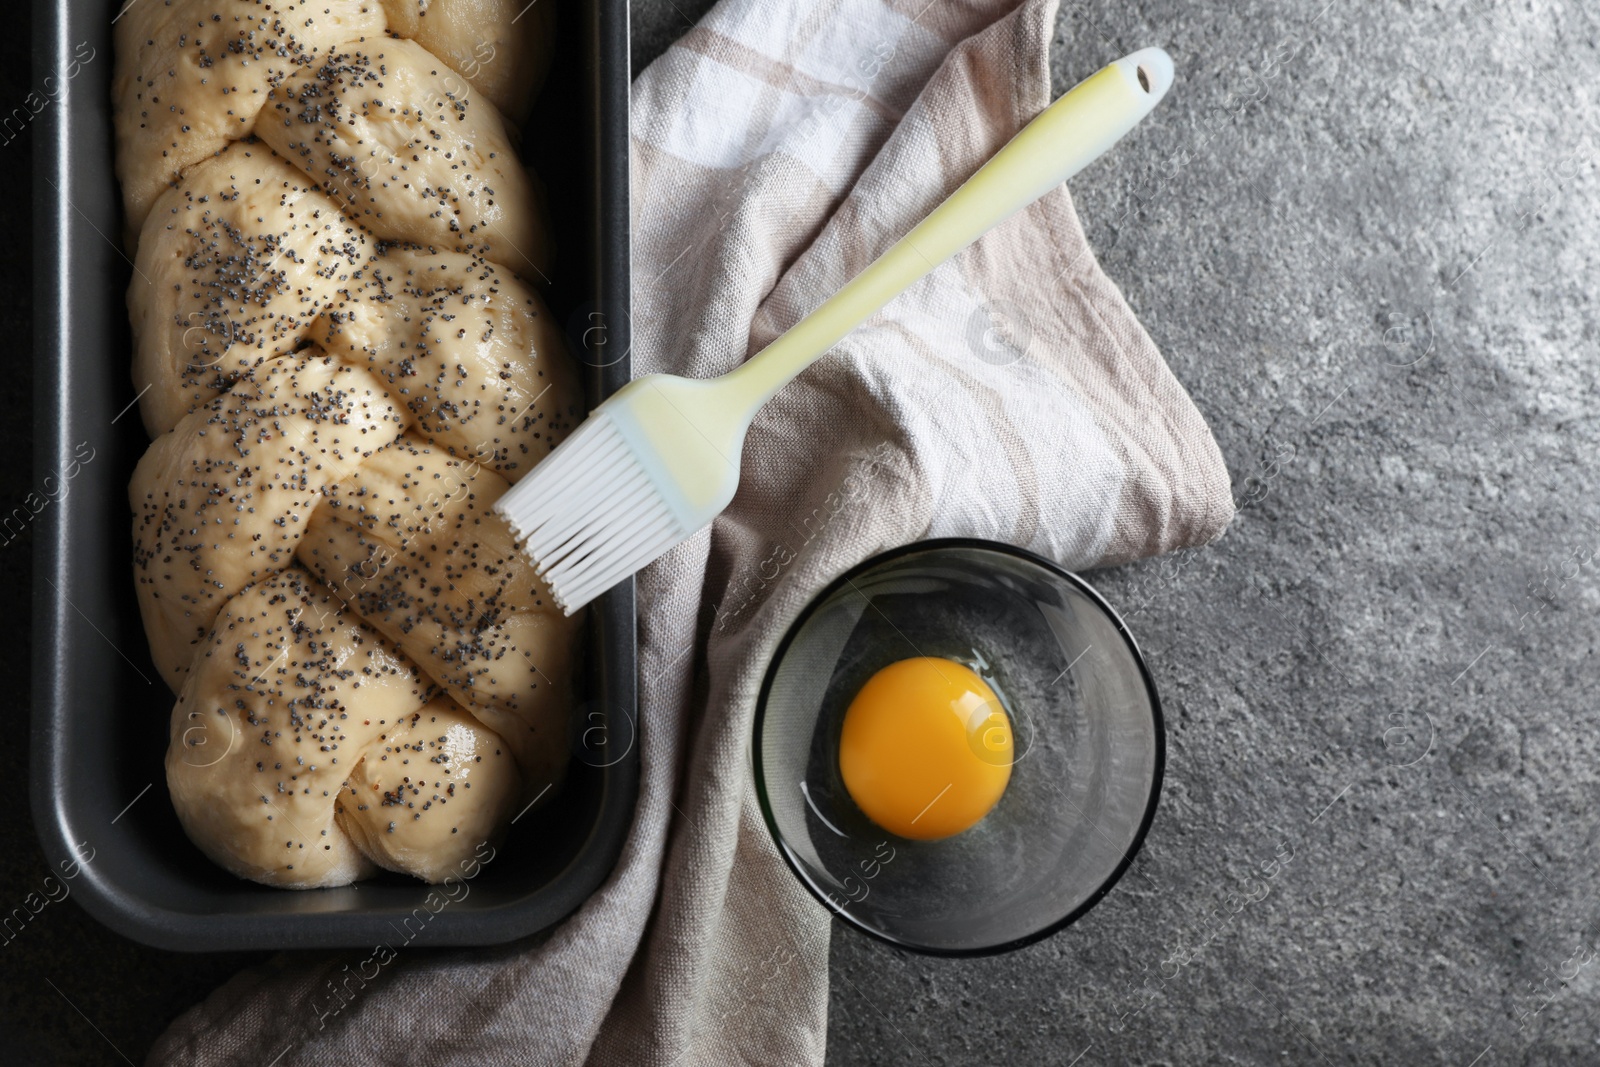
{"x":926,"y":748}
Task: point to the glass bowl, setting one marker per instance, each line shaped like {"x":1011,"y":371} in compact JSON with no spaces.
{"x":1088,"y":747}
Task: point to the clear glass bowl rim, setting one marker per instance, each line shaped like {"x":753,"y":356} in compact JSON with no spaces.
{"x":934,"y":545}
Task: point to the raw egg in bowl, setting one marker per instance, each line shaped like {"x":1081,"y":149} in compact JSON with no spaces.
{"x":958,"y":747}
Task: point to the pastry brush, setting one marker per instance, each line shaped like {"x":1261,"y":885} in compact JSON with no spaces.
{"x":659,"y":459}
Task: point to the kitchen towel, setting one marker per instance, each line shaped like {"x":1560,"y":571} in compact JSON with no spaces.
{"x":777,"y":148}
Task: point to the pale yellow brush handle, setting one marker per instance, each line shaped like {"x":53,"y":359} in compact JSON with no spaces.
{"x":1063,"y":139}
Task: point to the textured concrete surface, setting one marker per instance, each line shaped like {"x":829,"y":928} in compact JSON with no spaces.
{"x":1365,"y":238}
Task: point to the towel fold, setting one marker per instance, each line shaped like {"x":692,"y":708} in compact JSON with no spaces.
{"x":777,"y":148}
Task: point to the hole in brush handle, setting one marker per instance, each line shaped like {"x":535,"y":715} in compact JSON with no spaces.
{"x":1151,"y":69}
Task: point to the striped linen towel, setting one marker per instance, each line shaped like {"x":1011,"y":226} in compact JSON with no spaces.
{"x":777,"y":148}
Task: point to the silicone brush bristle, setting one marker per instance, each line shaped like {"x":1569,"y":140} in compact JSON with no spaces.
{"x":590,"y":514}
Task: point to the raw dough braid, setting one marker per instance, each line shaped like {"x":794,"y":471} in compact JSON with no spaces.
{"x":343,"y":365}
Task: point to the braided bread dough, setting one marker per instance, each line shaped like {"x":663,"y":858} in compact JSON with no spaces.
{"x":343,"y":365}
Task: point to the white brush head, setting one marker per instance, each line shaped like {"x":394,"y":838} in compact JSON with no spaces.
{"x":590,"y":514}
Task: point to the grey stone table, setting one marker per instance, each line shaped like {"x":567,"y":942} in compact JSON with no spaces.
{"x":1371,"y":263}
{"x":1364,"y":236}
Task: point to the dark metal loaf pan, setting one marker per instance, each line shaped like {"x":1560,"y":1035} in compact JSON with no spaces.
{"x":99,"y":708}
